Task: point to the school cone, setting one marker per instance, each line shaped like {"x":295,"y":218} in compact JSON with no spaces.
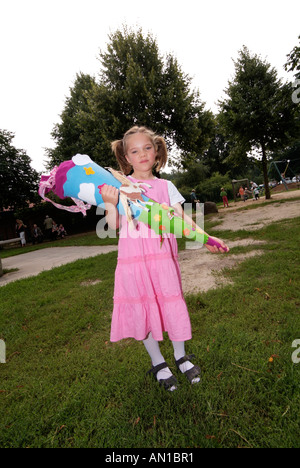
{"x":82,"y":180}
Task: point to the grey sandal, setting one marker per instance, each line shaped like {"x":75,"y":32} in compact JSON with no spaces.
{"x":166,"y":383}
{"x":193,"y":372}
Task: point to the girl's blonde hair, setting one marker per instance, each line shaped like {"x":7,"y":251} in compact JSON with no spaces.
{"x":119,"y":147}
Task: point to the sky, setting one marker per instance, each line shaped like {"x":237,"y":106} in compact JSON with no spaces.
{"x":45,"y":43}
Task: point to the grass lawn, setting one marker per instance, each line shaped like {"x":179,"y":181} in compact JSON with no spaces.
{"x":65,"y":385}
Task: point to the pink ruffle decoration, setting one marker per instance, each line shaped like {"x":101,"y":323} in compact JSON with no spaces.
{"x":48,"y":184}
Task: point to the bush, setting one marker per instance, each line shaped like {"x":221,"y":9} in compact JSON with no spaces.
{"x":210,"y":189}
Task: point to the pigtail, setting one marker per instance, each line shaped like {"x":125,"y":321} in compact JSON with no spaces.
{"x":118,"y":149}
{"x":162,"y":153}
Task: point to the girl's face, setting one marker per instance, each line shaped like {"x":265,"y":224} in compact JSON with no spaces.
{"x":140,"y":153}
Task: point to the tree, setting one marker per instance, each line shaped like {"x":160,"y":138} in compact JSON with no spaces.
{"x":137,"y":87}
{"x":293,"y":62}
{"x":293,"y":65}
{"x":149,"y":90}
{"x":258,"y":115}
{"x":18,"y":180}
{"x":67,"y":133}
{"x":192,"y":176}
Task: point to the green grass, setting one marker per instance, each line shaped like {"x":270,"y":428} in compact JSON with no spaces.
{"x":65,"y":385}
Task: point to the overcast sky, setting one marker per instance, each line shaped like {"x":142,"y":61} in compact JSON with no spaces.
{"x":44,"y":43}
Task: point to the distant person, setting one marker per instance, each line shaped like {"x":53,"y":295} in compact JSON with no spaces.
{"x":54,"y":232}
{"x":37,"y":235}
{"x":48,"y":222}
{"x":20,"y":229}
{"x":61,"y":232}
{"x":242,"y":193}
{"x":194,"y":198}
{"x":223,"y":194}
{"x":253,"y":187}
{"x":247,"y":193}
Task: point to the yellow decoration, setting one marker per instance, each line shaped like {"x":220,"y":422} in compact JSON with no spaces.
{"x":89,"y":171}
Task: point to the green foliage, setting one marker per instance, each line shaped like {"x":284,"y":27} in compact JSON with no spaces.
{"x":18,"y":180}
{"x":258,"y":113}
{"x":210,"y":189}
{"x":207,"y":187}
{"x":192,"y":176}
{"x":216,"y":155}
{"x":293,"y":62}
{"x":67,"y":133}
{"x":137,"y":87}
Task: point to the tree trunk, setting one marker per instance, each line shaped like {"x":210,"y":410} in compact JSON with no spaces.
{"x":1,"y":270}
{"x":265,"y":172}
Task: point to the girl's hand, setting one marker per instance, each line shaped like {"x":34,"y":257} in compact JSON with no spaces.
{"x":214,"y":249}
{"x":110,"y":195}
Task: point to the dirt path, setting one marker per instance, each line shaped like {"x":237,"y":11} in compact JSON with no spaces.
{"x":201,"y":269}
{"x":251,"y":220}
{"x":33,"y":263}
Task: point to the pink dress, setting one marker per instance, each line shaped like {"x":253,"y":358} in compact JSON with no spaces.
{"x":148,"y":293}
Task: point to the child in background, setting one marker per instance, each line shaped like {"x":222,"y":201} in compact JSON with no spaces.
{"x":148,"y":298}
{"x":242,"y":193}
{"x":62,"y":232}
{"x":223,"y":194}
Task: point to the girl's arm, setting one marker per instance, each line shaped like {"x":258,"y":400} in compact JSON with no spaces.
{"x":213,"y":249}
{"x":110,"y":196}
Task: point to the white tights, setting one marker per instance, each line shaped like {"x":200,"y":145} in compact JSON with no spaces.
{"x":152,"y":346}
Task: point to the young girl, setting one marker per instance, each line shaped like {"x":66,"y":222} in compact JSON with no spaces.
{"x":148,"y":298}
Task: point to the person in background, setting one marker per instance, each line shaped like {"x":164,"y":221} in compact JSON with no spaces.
{"x":61,"y":232}
{"x":54,"y":232}
{"x":256,"y":193}
{"x":20,"y":229}
{"x":194,"y":199}
{"x":242,"y":193}
{"x":37,"y":235}
{"x":48,"y":227}
{"x":223,"y":194}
